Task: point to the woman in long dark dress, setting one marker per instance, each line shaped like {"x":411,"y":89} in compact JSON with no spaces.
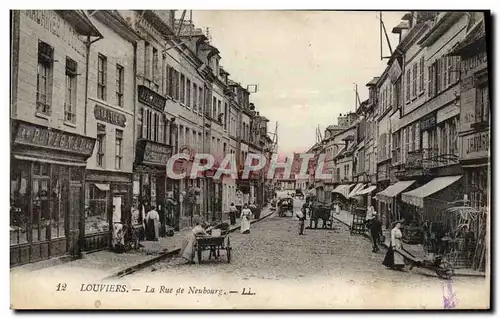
{"x":393,"y":259}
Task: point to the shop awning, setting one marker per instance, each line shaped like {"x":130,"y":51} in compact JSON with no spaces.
{"x":355,"y":190}
{"x":392,"y":191}
{"x":102,"y":187}
{"x":342,"y":189}
{"x":416,"y":196}
{"x":366,"y":190}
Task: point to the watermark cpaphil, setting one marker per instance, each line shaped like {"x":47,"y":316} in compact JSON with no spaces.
{"x":254,"y":166}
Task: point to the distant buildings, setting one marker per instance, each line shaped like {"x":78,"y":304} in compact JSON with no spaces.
{"x":420,"y":141}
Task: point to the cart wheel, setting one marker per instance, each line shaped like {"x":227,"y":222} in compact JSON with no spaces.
{"x":228,"y":250}
{"x":199,"y":255}
{"x":445,"y":270}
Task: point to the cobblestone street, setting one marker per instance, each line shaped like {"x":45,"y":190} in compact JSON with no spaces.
{"x":274,"y":251}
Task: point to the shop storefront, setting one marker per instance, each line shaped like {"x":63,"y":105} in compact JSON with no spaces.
{"x":108,"y":199}
{"x":47,"y":192}
{"x":389,"y":199}
{"x":430,"y":199}
{"x":151,"y":186}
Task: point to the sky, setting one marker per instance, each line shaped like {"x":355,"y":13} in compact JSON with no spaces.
{"x":304,"y":62}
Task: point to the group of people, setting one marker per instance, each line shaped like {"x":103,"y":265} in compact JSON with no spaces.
{"x":393,"y":258}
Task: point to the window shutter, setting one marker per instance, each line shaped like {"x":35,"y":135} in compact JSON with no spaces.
{"x":416,"y":78}
{"x":429,"y":81}
{"x":407,"y":86}
{"x":418,"y":66}
{"x":417,"y":136}
{"x":438,"y":76}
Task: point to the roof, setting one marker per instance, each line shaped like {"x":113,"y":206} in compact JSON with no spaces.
{"x":373,"y":81}
{"x":401,"y":26}
{"x":79,"y":20}
{"x":475,"y":34}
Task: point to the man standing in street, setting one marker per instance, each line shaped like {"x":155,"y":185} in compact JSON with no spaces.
{"x":232,"y":214}
{"x":375,"y":232}
{"x":302,"y":217}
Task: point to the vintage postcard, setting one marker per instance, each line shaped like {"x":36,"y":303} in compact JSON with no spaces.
{"x":184,"y":159}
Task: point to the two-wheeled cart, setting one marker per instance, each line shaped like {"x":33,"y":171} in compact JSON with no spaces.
{"x":213,"y":244}
{"x":443,"y":268}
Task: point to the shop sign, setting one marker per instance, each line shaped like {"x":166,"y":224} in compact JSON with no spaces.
{"x":151,"y":98}
{"x":107,"y":115}
{"x":153,"y":153}
{"x":38,"y":136}
{"x":428,"y":121}
{"x":476,"y":145}
{"x":395,"y":71}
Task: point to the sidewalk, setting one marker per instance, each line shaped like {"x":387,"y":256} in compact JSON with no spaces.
{"x":345,"y":217}
{"x":106,"y":264}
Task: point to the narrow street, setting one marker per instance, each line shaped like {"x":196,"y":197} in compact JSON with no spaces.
{"x":274,"y":251}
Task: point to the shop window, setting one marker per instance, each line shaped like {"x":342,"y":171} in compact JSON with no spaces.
{"x":59,"y":192}
{"x":19,"y":203}
{"x":76,"y":174}
{"x":40,"y":221}
{"x":44,"y":78}
{"x":120,"y":80}
{"x":70,"y":98}
{"x":101,"y":77}
{"x":118,"y":149}
{"x":96,"y":208}
{"x":100,"y":144}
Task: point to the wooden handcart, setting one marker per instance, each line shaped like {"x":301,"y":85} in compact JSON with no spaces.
{"x":214,"y":244}
{"x":443,"y":268}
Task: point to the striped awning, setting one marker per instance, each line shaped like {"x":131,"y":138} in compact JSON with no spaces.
{"x":356,"y":188}
{"x":342,"y":189}
{"x":366,"y":190}
{"x":392,"y":191}
{"x":416,"y":196}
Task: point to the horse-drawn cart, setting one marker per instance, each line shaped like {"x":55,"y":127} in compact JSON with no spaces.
{"x":321,"y":211}
{"x":213,"y":244}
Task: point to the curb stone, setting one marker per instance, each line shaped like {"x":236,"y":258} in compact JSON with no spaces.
{"x":386,"y":247}
{"x":165,"y":255}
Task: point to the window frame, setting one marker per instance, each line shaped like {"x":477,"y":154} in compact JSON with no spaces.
{"x":120,"y":81}
{"x":102,"y":77}
{"x":101,"y":145}
{"x":70,"y":92}
{"x":118,"y":149}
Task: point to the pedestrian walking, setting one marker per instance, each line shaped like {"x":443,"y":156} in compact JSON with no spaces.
{"x":232,"y":213}
{"x":245,"y":219}
{"x":302,"y":217}
{"x":393,"y":259}
{"x":375,"y":232}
